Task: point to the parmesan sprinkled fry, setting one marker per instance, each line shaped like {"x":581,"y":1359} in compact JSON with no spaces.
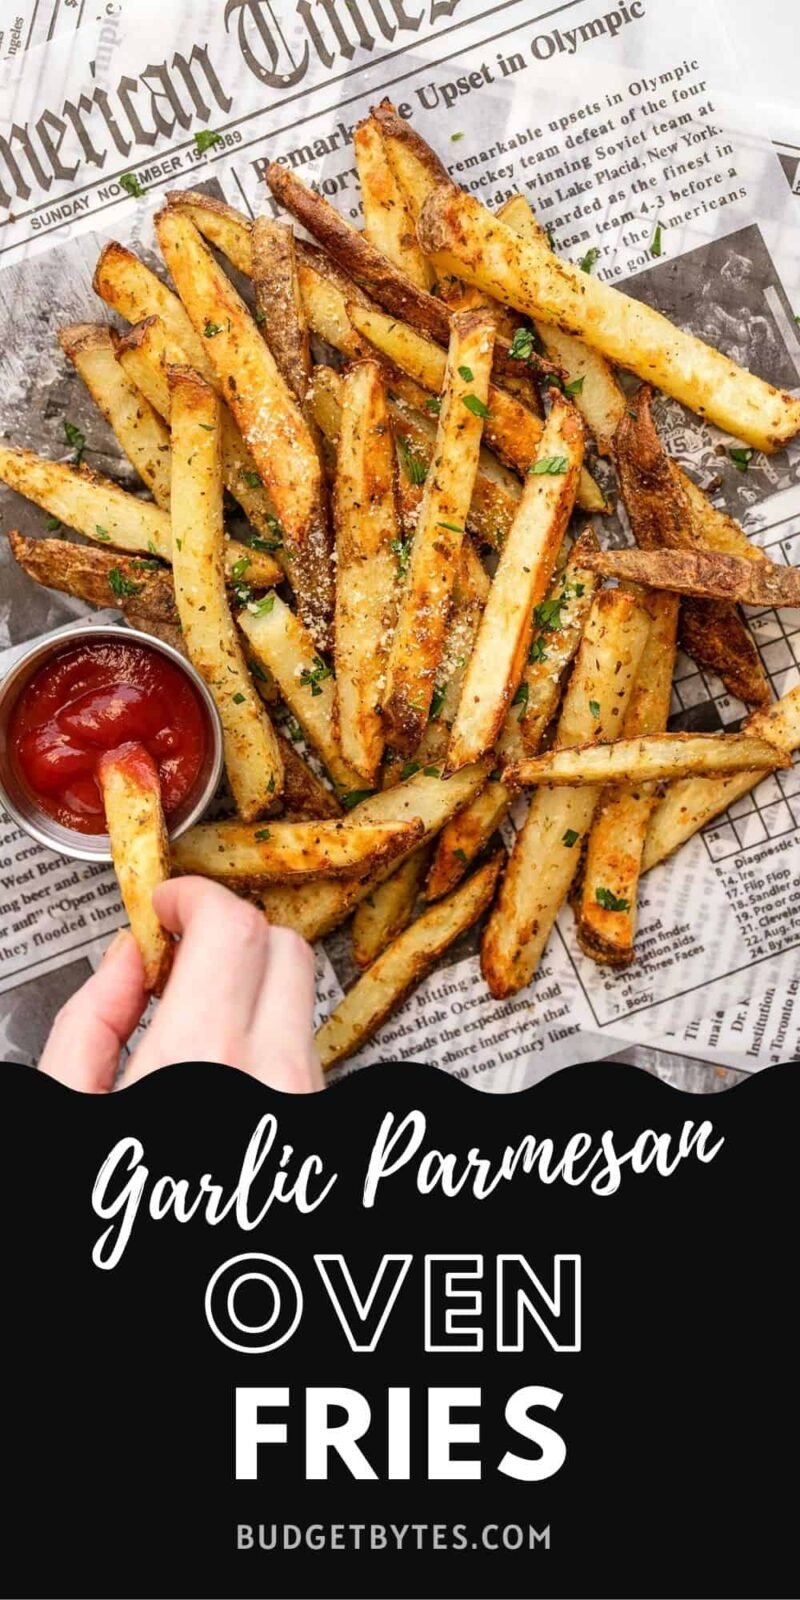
{"x":388,"y":908}
{"x":658,"y":757}
{"x":252,"y":755}
{"x":138,"y":428}
{"x":387,"y":221}
{"x":283,"y":851}
{"x":140,"y":850}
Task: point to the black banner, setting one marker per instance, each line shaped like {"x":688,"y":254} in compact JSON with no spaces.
{"x":402,"y":1338}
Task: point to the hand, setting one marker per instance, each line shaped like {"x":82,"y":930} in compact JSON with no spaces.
{"x":240,"y":992}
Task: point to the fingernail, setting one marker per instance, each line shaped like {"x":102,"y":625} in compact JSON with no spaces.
{"x":118,"y":942}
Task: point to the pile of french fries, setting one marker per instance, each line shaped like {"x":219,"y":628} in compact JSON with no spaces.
{"x":407,"y":416}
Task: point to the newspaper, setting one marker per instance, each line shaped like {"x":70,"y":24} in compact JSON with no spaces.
{"x":628,"y":129}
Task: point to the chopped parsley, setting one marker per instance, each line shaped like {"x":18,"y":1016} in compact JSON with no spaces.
{"x":102,"y":533}
{"x":312,"y":677}
{"x":354,"y":797}
{"x":609,"y":901}
{"x":454,"y":527}
{"x":656,"y":243}
{"x":239,"y":698}
{"x":547,"y":615}
{"x":408,"y":769}
{"x":414,"y":469}
{"x":570,"y":838}
{"x":261,"y":608}
{"x":207,"y":427}
{"x":587,"y":262}
{"x":211,"y":329}
{"x":549,"y":466}
{"x":130,"y":183}
{"x":521,"y":696}
{"x":475,"y":405}
{"x":240,"y":567}
{"x":576,"y":386}
{"x":550,"y":236}
{"x":123,"y":588}
{"x":262,"y":835}
{"x":431,"y":772}
{"x":741,"y":458}
{"x":461,"y":855}
{"x":437,"y":701}
{"x":271,"y":786}
{"x":255,"y":542}
{"x":522,"y":345}
{"x":467,"y":374}
{"x":252,"y":479}
{"x":401,"y":549}
{"x":454,"y":137}
{"x":537,"y":652}
{"x":52,"y":524}
{"x":433,"y":404}
{"x":76,"y":440}
{"x":594,"y":707}
{"x":206,"y":139}
{"x":152,"y":548}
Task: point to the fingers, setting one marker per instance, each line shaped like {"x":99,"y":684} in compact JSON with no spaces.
{"x":89,"y":1031}
{"x":283,"y":1051}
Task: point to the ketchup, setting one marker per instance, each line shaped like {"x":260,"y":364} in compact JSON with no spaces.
{"x":91,"y":698}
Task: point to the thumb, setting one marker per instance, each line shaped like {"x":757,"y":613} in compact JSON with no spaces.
{"x":89,"y":1031}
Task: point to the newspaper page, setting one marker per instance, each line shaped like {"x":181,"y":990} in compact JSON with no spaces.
{"x":629,"y":132}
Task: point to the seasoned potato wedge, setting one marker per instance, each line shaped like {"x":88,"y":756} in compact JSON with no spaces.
{"x":279,"y":304}
{"x":283,"y":851}
{"x":140,"y":850}
{"x":367,"y":540}
{"x":388,"y":223}
{"x":138,"y":428}
{"x":701,"y":573}
{"x":523,"y":573}
{"x":388,"y":908}
{"x":657,"y":757}
{"x":546,"y":852}
{"x":131,"y":289}
{"x":405,"y":963}
{"x":524,"y":274}
{"x":252,"y":754}
{"x":101,"y":577}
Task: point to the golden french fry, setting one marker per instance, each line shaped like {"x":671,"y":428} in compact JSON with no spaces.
{"x":712,"y":631}
{"x":134,"y":292}
{"x":688,"y":805}
{"x":702,"y":573}
{"x":524,"y":570}
{"x":418,"y":642}
{"x":222,"y":225}
{"x":280,"y":642}
{"x":387,"y":222}
{"x":280,"y":852}
{"x":279,"y":304}
{"x":316,"y":909}
{"x":267,"y":414}
{"x":605,"y":908}
{"x":546,"y":853}
{"x":525,"y":275}
{"x":388,"y":908}
{"x":138,"y":428}
{"x":305,"y":796}
{"x":714,"y":529}
{"x":89,"y":503}
{"x":367,"y":540}
{"x":656,"y":758}
{"x":139,"y":849}
{"x":405,"y":963}
{"x":252,"y":755}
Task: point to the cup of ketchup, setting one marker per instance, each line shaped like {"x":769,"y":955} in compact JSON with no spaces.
{"x":90,"y":689}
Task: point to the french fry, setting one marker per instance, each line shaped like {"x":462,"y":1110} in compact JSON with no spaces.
{"x":136,"y":425}
{"x":606,"y":903}
{"x":688,"y":805}
{"x":129,"y":287}
{"x":304,"y":796}
{"x":559,"y":623}
{"x":139,"y":849}
{"x":252,"y":755}
{"x":404,"y":964}
{"x":86,"y":571}
{"x":388,"y":908}
{"x":712,"y":631}
{"x":656,"y":758}
{"x":229,"y":230}
{"x":387,"y":222}
{"x":512,"y":431}
{"x":546,"y":852}
{"x":701,"y":573}
{"x":316,"y":909}
{"x":144,"y":354}
{"x":267,"y":414}
{"x":367,"y":539}
{"x":526,"y":276}
{"x":279,"y":304}
{"x":285,"y":851}
{"x":714,"y":529}
{"x":418,"y":643}
{"x":101,"y":511}
{"x":281,"y":643}
{"x":526,"y":563}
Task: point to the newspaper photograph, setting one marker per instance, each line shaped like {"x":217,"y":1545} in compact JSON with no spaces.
{"x":624,"y":148}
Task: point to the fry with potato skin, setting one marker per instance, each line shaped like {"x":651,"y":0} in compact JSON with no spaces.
{"x":691,"y":803}
{"x":252,"y":755}
{"x":660,"y":515}
{"x":267,"y":415}
{"x":316,"y":909}
{"x":418,"y":643}
{"x":546,"y":853}
{"x":134,"y":292}
{"x":367,"y":536}
{"x":388,"y":223}
{"x":305,"y":797}
{"x":701,"y":573}
{"x":282,"y":852}
{"x":388,"y":908}
{"x":139,"y":844}
{"x":523,"y":572}
{"x":85,"y":571}
{"x":651,"y":758}
{"x":137,"y":427}
{"x":404,"y":964}
{"x":279,"y":304}
{"x":144,"y":355}
{"x":523,"y":274}
{"x":606,"y":903}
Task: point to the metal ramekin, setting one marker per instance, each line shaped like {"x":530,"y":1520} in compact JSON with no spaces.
{"x":20,"y":804}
